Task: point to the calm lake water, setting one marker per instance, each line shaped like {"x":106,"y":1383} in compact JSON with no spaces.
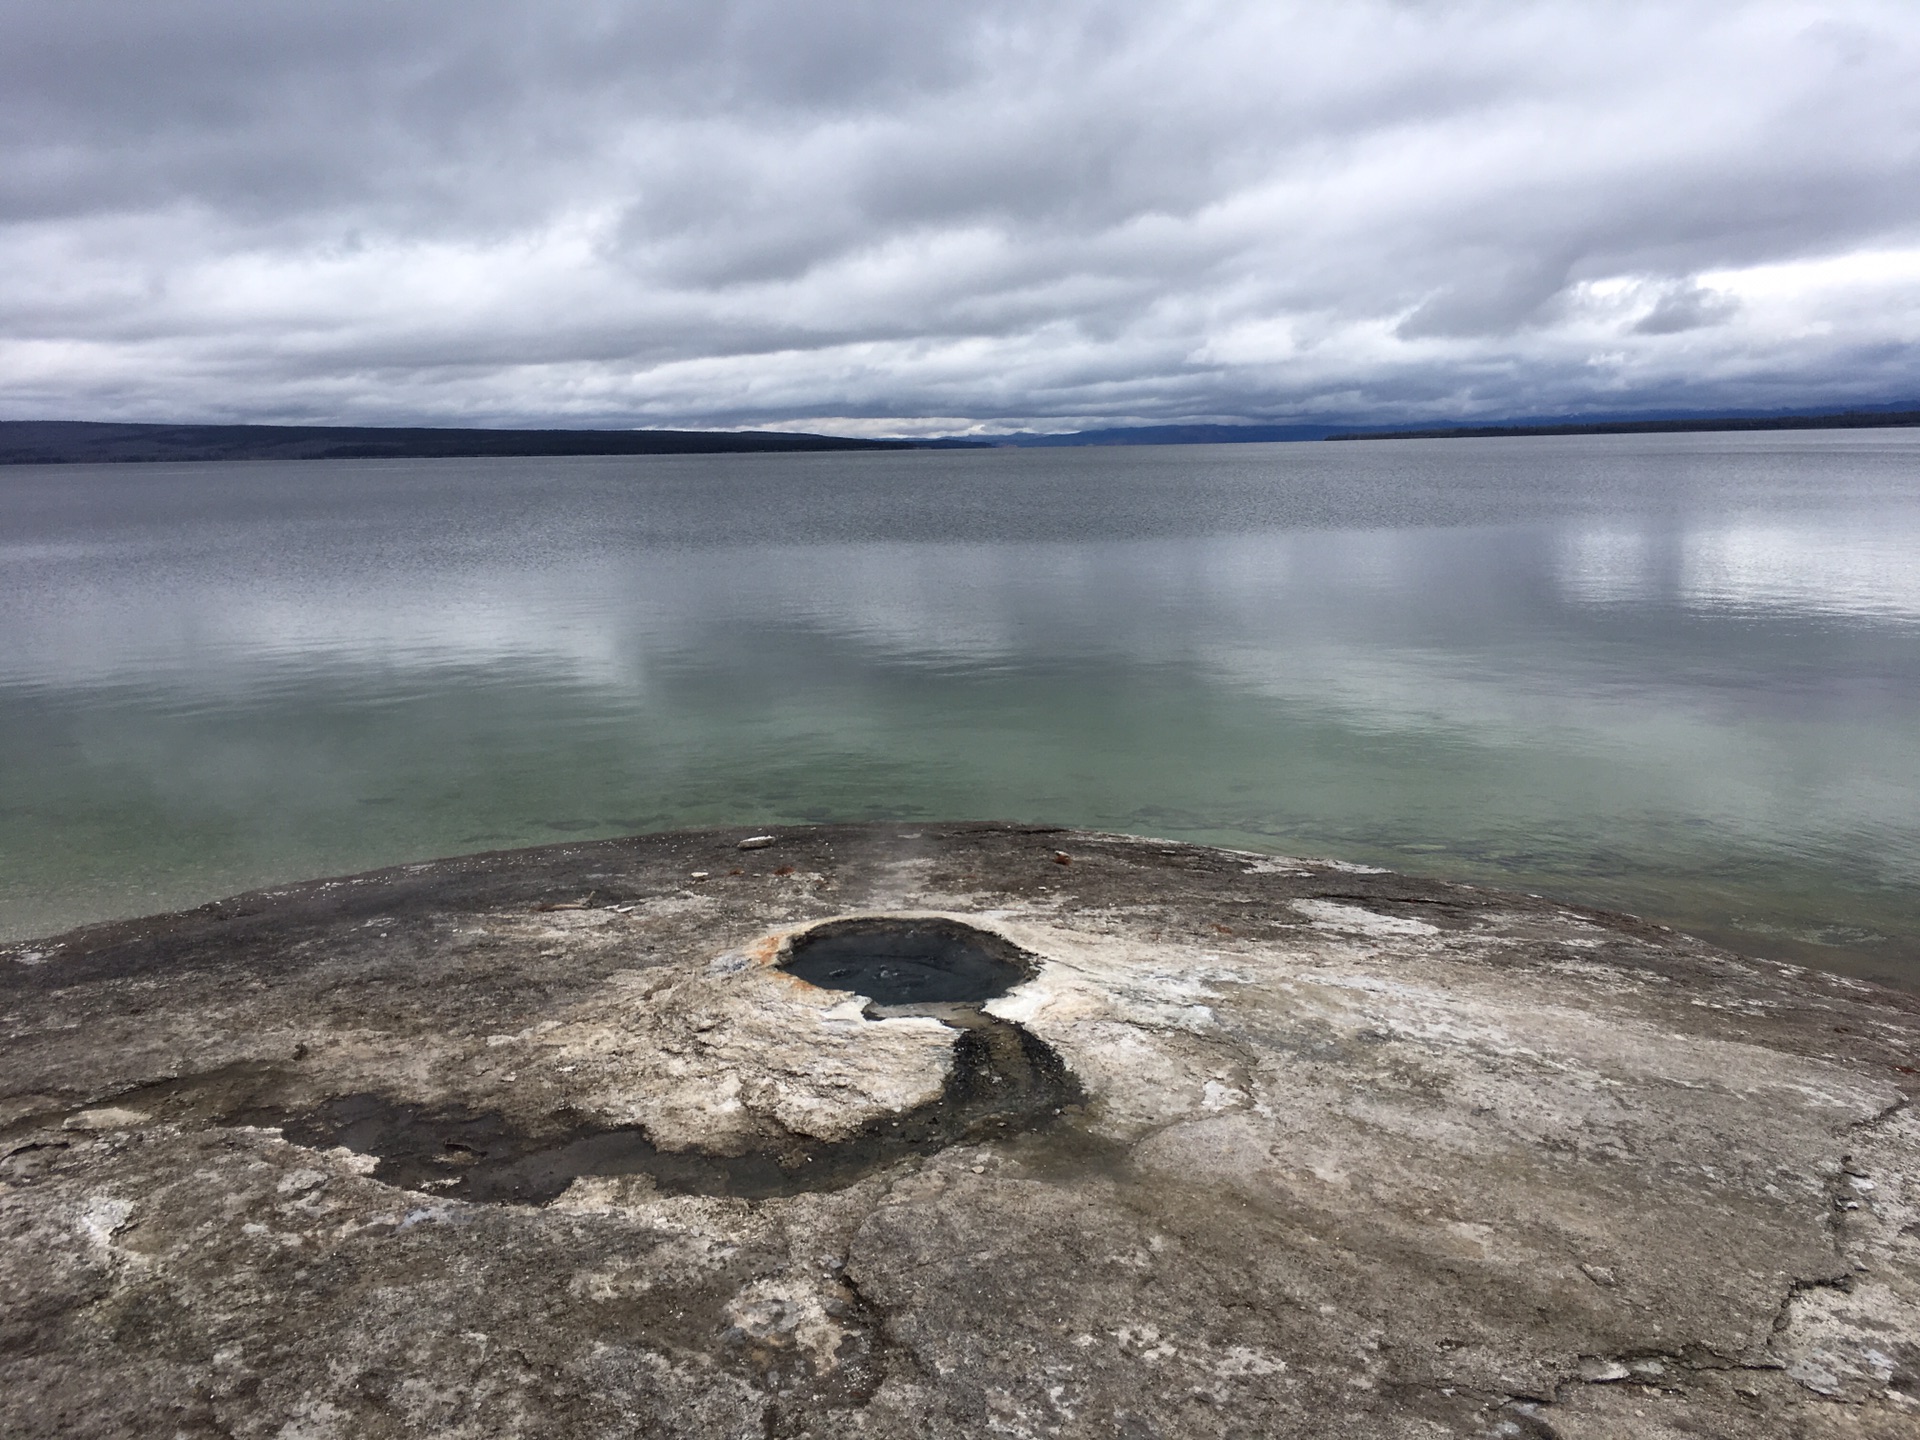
{"x":1678,"y":675}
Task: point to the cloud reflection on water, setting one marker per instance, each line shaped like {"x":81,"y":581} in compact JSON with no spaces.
{"x":1592,"y":689}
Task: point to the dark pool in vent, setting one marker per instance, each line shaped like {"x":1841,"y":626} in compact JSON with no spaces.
{"x":908,"y":962}
{"x":1003,"y":1083}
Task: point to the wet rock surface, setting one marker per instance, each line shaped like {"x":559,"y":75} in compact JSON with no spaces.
{"x":938,"y":1132}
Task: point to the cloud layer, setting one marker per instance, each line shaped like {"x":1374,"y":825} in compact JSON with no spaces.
{"x":890,"y":217}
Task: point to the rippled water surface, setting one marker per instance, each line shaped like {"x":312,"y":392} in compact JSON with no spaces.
{"x":1673,"y":674}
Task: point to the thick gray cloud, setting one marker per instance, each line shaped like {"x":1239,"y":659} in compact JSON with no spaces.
{"x":885,"y":215}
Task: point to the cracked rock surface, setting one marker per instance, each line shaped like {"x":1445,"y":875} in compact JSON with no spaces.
{"x":548,"y":1143}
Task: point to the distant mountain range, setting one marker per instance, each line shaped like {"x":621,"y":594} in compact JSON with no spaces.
{"x":1173,"y":435}
{"x":1548,"y":425}
{"x":47,"y":442}
{"x":53,"y":442}
{"x":1838,"y":420}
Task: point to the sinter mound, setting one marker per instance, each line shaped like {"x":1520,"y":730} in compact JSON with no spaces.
{"x":925,"y":1134}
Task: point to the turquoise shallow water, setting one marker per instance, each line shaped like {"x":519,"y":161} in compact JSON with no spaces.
{"x":1673,"y":674}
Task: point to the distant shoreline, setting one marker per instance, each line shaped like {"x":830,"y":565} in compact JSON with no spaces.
{"x":1842,"y":420}
{"x":79,"y":442}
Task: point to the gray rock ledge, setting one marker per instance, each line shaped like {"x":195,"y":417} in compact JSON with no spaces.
{"x":547,"y":1143}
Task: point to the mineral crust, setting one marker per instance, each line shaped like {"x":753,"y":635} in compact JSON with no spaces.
{"x":549,"y":1143}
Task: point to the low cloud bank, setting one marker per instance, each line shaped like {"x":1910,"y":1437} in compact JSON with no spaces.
{"x":878,"y":218}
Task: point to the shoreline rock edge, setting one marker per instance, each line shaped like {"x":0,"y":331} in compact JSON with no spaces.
{"x":1346,"y":1153}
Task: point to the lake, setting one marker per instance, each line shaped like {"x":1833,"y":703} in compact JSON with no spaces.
{"x":1672,"y":674}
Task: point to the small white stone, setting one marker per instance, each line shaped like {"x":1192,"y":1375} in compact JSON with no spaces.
{"x":755,"y":842}
{"x":102,"y":1216}
{"x":1333,"y":914}
{"x":108,"y":1117}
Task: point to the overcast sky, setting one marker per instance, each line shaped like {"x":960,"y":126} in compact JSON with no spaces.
{"x":886,"y":216}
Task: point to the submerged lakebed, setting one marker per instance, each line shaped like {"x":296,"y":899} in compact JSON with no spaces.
{"x":1677,"y":675}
